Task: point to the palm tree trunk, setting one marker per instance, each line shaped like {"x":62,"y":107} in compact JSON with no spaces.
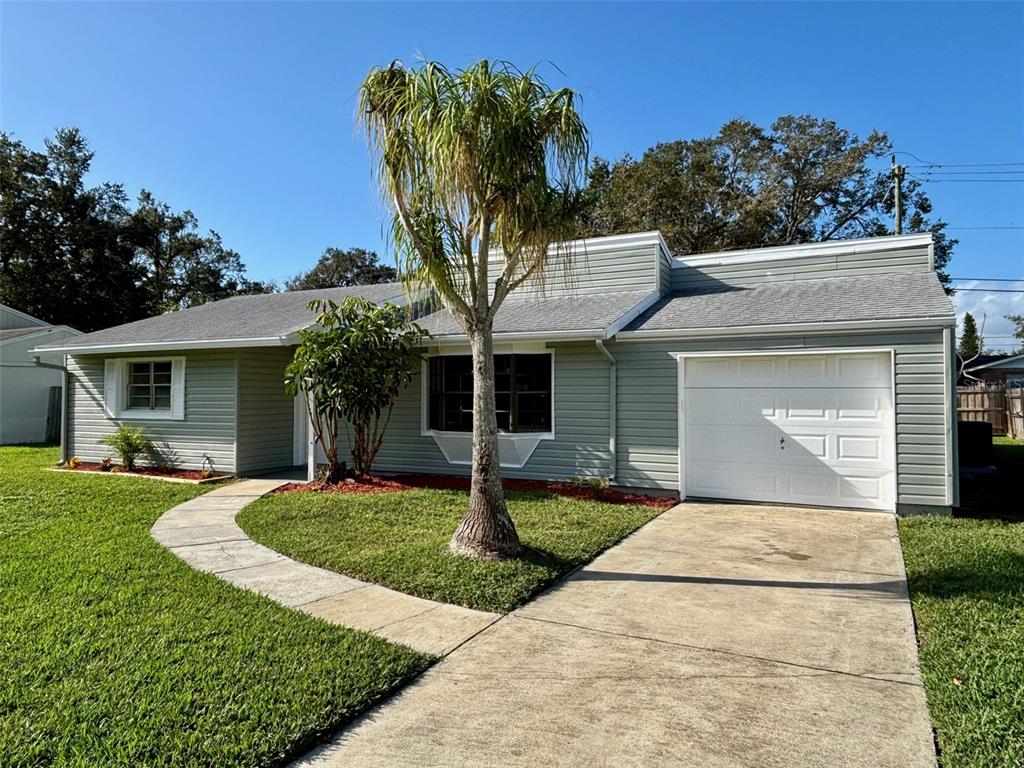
{"x":486,"y":532}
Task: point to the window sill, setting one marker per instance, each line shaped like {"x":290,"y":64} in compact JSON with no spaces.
{"x":514,"y":449}
{"x":139,"y":415}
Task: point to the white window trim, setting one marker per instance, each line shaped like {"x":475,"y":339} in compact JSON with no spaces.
{"x":115,"y":390}
{"x":457,"y":446}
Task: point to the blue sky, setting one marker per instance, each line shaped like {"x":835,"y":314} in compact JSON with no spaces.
{"x":244,"y":112}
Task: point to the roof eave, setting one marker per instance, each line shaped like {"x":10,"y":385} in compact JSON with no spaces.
{"x":1006,"y":362}
{"x":829,"y":326}
{"x":581,"y":335}
{"x":163,"y":346}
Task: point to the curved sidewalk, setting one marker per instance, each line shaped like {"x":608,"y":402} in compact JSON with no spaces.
{"x":204,"y":534}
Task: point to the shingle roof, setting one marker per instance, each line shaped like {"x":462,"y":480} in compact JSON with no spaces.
{"x":262,"y":316}
{"x":589,"y":314}
{"x":834,"y":299}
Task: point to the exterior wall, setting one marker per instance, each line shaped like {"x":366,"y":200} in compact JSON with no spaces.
{"x":25,"y":387}
{"x":208,"y":429}
{"x":12,"y":318}
{"x":580,"y":446}
{"x":648,"y":414}
{"x":597,"y":266}
{"x":265,"y":412}
{"x":686,"y":277}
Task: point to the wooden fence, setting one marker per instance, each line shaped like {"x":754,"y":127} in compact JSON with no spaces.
{"x":1001,"y":407}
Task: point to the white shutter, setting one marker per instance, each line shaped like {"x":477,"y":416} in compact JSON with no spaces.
{"x":178,"y":389}
{"x":111,"y":386}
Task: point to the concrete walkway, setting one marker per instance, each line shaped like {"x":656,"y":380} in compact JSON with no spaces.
{"x":717,"y":635}
{"x":204,"y":534}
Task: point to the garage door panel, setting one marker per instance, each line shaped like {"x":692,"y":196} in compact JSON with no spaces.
{"x":855,"y":370}
{"x":835,"y":407}
{"x":813,"y":429}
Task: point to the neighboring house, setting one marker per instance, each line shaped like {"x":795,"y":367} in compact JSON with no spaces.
{"x":1007,"y":370}
{"x":24,"y":386}
{"x":815,"y":374}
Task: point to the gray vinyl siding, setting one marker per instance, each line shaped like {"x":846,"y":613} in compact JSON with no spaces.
{"x":632,"y":268}
{"x":208,"y":429}
{"x":265,"y":412}
{"x":580,"y":447}
{"x":801,"y":268}
{"x":10,"y":320}
{"x":647,"y":453}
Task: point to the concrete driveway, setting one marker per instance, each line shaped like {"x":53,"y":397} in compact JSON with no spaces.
{"x":717,"y":635}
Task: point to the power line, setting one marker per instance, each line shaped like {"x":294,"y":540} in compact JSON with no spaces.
{"x":992,"y":290}
{"x":927,"y":164}
{"x":992,"y":279}
{"x":1011,"y":226}
{"x":970,"y":173}
{"x":962,"y":181}
{"x":967,"y":165}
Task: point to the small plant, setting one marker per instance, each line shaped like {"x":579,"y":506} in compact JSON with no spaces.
{"x":73,"y":463}
{"x":106,"y":464}
{"x":129,"y":443}
{"x":595,"y":486}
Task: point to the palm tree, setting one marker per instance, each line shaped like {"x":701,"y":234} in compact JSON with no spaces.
{"x":473,"y":163}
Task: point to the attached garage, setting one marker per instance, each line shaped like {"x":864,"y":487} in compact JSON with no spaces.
{"x":814,"y":428}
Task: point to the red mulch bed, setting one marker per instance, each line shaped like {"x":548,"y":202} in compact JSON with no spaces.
{"x":374,"y":484}
{"x":182,"y":474}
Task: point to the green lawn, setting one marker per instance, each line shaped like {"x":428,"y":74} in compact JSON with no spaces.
{"x":115,"y":653}
{"x":400,"y":540}
{"x":966,"y":581}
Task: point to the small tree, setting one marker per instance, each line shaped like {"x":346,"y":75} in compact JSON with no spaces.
{"x":350,"y":369}
{"x":128,"y":443}
{"x":970,"y":341}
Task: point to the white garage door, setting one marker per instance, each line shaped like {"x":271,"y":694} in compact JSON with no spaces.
{"x":803,"y":429}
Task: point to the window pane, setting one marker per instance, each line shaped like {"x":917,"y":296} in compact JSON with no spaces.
{"x":139,"y":369}
{"x":138,"y":398}
{"x":164,"y":367}
{"x":534,"y":412}
{"x":532,"y":401}
{"x":162,"y":378}
{"x":162,"y":397}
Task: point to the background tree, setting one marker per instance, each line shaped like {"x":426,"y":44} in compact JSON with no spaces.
{"x":337,"y":268}
{"x":1018,"y":328}
{"x":350,"y":369}
{"x":64,"y":256}
{"x":801,"y":180}
{"x":82,"y":256}
{"x":470,"y":161}
{"x":970,"y":342}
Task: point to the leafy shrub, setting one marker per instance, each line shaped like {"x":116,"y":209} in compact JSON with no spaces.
{"x":129,"y":443}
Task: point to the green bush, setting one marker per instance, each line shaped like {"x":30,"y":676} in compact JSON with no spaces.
{"x":129,"y":443}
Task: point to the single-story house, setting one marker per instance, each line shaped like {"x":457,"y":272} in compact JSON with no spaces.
{"x":1005,"y":370}
{"x":817,"y":374}
{"x":26,"y":403}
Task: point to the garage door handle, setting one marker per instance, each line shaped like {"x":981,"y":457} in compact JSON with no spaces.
{"x":782,"y":443}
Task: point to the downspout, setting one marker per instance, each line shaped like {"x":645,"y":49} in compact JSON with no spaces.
{"x":612,"y":398}
{"x":63,"y":405}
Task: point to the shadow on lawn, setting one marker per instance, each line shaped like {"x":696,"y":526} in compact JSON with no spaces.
{"x":993,"y":575}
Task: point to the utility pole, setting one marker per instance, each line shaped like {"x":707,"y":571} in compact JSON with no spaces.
{"x":897,"y":184}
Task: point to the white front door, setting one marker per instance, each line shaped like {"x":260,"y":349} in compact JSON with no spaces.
{"x":802,"y":429}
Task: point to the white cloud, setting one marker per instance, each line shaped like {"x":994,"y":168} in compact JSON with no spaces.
{"x":993,"y":307}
